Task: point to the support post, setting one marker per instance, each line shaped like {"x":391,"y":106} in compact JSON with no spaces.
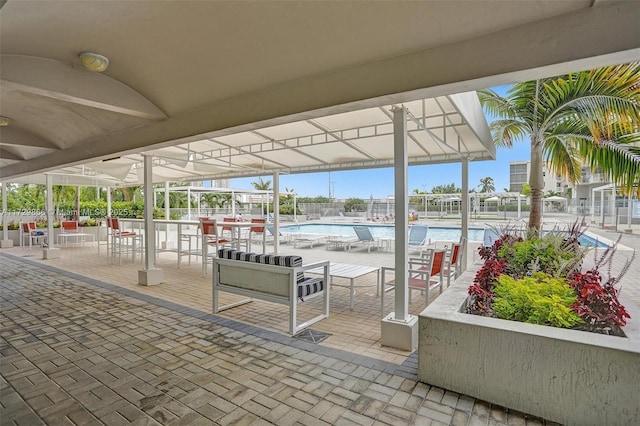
{"x":399,"y":329}
{"x":6,"y":242}
{"x":276,"y":211}
{"x":150,"y":275}
{"x":189,"y":203}
{"x":50,"y":251}
{"x":167,"y":207}
{"x":465,"y":208}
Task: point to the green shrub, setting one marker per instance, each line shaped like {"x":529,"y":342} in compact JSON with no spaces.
{"x":553,"y":253}
{"x":538,"y":299}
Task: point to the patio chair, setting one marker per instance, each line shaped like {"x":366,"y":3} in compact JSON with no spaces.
{"x":418,"y":240}
{"x":71,"y":229}
{"x":365,"y":238}
{"x":227,"y":228}
{"x":212,"y":238}
{"x":424,"y":274}
{"x":30,"y":233}
{"x":257,"y":233}
{"x":453,"y":261}
{"x":122,"y":240}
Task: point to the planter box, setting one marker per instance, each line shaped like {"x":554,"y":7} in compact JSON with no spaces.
{"x":94,"y":230}
{"x":568,"y":376}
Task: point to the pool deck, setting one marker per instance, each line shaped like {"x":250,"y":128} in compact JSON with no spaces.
{"x":67,"y":321}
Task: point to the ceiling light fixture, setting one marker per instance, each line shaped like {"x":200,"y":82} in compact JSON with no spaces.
{"x":94,"y":61}
{"x":4,"y":121}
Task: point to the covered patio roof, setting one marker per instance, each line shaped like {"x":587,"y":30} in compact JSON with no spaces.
{"x":442,"y":129}
{"x":226,"y":89}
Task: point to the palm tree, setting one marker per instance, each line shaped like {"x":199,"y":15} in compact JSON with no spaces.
{"x":262,"y":185}
{"x":588,"y":117}
{"x":486,"y":184}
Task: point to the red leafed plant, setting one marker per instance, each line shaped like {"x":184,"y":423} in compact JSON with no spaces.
{"x":482,"y":288}
{"x":597,"y":298}
{"x":598,"y":303}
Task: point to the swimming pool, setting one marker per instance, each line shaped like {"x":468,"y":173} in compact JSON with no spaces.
{"x":435,"y":233}
{"x":382,"y":231}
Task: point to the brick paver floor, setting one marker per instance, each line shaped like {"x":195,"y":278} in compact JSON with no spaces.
{"x":76,"y":350}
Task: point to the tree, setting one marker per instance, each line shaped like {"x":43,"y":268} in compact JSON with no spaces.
{"x":486,"y":184}
{"x":355,"y":204}
{"x":587,"y":117}
{"x":526,"y":190}
{"x":262,"y":185}
{"x":446,"y":189}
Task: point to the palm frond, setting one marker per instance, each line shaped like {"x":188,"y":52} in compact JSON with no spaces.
{"x":506,"y":132}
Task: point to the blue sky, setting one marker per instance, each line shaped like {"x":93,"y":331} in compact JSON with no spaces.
{"x":379,"y":182}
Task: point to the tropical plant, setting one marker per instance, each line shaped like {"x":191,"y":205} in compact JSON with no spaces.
{"x":355,"y":204}
{"x":486,"y":184}
{"x":262,"y":185}
{"x":511,"y":282}
{"x":446,"y":189}
{"x":587,"y":117}
{"x":538,"y":299}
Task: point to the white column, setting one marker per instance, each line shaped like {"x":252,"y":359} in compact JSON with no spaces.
{"x":276,"y":211}
{"x":150,"y":275}
{"x":233,"y":204}
{"x":5,"y":231}
{"x":401,"y":213}
{"x":6,"y":242}
{"x":167,"y":207}
{"x":614,"y":212}
{"x":50,"y":252}
{"x":189,"y":203}
{"x":593,"y":206}
{"x":399,"y":329}
{"x":465,"y":208}
{"x":602,"y":192}
{"x":629,"y":208}
{"x":519,"y":206}
{"x":108,"y":201}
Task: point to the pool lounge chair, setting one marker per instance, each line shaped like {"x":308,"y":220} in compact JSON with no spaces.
{"x":309,"y":239}
{"x":418,"y":240}
{"x":343,"y":242}
{"x":490,"y":237}
{"x":365,"y":238}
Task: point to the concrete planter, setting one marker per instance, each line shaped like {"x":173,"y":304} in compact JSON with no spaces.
{"x":568,"y":376}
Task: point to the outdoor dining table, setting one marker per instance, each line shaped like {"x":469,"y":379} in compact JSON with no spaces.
{"x":351,"y":272}
{"x":183,"y":235}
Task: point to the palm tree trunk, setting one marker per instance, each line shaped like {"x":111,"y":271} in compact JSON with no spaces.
{"x":536,"y":182}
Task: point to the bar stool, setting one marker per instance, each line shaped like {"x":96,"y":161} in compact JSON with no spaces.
{"x":131,"y":241}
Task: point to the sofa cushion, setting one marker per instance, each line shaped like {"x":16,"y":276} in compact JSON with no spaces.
{"x":306,"y":286}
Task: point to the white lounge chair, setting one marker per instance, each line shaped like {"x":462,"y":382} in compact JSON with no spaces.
{"x":418,"y":240}
{"x":365,"y":238}
{"x":490,"y":237}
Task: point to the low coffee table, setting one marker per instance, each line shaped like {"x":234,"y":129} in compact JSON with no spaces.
{"x":344,"y":270}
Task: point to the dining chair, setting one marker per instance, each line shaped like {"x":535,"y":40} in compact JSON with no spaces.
{"x":423,"y":274}
{"x":132,"y":242}
{"x":31,"y":234}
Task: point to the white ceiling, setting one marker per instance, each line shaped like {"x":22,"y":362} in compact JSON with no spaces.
{"x":232,"y":73}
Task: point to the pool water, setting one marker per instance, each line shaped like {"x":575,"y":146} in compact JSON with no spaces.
{"x":435,"y":233}
{"x":382,"y":231}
